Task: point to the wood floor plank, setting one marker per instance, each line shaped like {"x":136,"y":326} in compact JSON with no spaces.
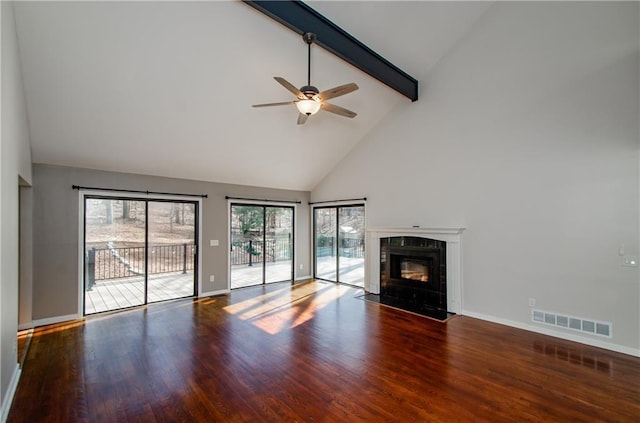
{"x":313,"y":353}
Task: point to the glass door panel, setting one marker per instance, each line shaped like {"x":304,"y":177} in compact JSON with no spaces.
{"x":261,"y":244}
{"x":279,"y":244}
{"x":351,"y":245}
{"x":325,"y":228}
{"x":114,"y":252}
{"x":171,"y":250}
{"x":339,"y":244}
{"x":138,"y":251}
{"x":247,"y":241}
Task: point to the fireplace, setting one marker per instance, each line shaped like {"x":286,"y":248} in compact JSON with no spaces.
{"x":452,"y":259}
{"x":409,"y":268}
{"x":413,"y":270}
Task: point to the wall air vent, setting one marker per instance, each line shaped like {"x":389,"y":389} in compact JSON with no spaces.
{"x":579,"y":324}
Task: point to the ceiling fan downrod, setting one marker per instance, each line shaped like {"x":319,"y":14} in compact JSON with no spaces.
{"x":309,"y":38}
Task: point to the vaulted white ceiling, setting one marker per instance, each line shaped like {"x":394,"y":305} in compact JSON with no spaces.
{"x":166,"y":88}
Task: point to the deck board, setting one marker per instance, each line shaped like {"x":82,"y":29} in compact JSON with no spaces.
{"x":120,"y":293}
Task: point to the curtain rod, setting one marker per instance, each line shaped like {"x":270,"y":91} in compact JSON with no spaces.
{"x":133,"y":191}
{"x":339,"y":201}
{"x":259,"y":199}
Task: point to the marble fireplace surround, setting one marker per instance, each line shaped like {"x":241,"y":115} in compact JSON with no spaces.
{"x":453,"y":238}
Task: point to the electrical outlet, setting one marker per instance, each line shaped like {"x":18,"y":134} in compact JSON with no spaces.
{"x":212,"y":278}
{"x":532,"y":302}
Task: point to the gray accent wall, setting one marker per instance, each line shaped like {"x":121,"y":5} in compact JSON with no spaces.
{"x":56,"y":229}
{"x":26,"y":257}
{"x":527,"y":135}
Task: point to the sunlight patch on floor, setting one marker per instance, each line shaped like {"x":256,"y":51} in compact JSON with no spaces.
{"x":274,"y":312}
{"x":244,"y":308}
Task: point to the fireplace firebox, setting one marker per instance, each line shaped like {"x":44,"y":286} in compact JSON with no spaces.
{"x":410,"y":268}
{"x":413,"y":270}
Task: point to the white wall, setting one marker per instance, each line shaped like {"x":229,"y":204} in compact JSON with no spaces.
{"x":527,"y":135}
{"x":16,"y":164}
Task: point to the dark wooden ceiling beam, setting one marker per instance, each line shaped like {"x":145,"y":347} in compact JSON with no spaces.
{"x":301,"y":18}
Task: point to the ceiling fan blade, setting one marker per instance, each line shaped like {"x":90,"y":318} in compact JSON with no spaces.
{"x":336,"y":91}
{"x":302,"y":118}
{"x":273,"y":104}
{"x":338,"y":110}
{"x":290,"y":87}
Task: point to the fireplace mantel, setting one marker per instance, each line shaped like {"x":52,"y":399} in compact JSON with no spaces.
{"x":453,"y":238}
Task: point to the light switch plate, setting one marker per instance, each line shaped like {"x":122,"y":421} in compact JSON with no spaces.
{"x":214,"y":243}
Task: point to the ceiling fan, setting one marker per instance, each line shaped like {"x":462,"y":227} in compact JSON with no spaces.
{"x":308,"y":99}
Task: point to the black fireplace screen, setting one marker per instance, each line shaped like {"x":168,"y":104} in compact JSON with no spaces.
{"x":416,"y":270}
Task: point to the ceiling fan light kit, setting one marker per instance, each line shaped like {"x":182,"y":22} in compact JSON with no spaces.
{"x":309,"y":100}
{"x":308,"y":107}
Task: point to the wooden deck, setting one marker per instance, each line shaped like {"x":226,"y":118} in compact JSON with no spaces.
{"x":113,"y":294}
{"x":351,"y":270}
{"x":313,"y":353}
{"x":243,"y":275}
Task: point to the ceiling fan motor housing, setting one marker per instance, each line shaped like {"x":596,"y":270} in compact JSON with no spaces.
{"x":309,"y":90}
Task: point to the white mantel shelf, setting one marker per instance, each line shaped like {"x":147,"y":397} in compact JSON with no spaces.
{"x":412,"y":231}
{"x":453,"y":238}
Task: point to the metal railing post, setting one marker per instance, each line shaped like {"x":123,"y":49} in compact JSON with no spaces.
{"x":91,"y":269}
{"x":250,"y":252}
{"x":184,"y":258}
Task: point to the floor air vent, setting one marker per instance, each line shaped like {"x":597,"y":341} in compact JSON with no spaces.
{"x":574,"y":323}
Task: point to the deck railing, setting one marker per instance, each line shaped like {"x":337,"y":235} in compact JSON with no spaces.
{"x":254,"y":251}
{"x":123,"y":262}
{"x":349,"y":247}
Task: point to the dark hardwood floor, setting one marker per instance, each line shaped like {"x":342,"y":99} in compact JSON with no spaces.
{"x":314,"y":353}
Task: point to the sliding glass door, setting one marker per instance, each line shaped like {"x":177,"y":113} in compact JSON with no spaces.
{"x":171,"y":251}
{"x":326,"y":245}
{"x":137,"y":251}
{"x":339,"y":244}
{"x":115,"y":254}
{"x":278,"y":226}
{"x":261,"y":244}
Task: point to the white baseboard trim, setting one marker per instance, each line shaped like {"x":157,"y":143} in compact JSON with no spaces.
{"x":11,"y":391}
{"x":53,"y":320}
{"x":556,"y":334}
{"x":303,"y":278}
{"x":213,"y":293}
